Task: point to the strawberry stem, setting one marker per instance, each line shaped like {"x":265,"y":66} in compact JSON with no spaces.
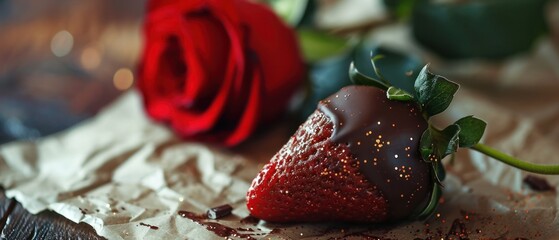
{"x":515,"y":162}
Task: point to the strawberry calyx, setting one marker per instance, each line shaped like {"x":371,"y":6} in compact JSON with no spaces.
{"x":433,"y":94}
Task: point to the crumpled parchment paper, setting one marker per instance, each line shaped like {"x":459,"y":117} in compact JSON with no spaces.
{"x":129,"y":177}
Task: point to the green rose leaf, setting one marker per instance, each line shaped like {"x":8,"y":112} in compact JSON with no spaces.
{"x":291,"y":11}
{"x":394,"y":93}
{"x":471,"y":131}
{"x":434,"y":92}
{"x":317,"y":45}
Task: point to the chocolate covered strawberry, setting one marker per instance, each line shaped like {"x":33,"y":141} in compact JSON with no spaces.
{"x":369,"y":155}
{"x":349,"y":161}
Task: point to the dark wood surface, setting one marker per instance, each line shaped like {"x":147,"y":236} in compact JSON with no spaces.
{"x":17,"y":223}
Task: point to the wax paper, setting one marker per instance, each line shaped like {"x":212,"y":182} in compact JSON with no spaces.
{"x":130,"y":178}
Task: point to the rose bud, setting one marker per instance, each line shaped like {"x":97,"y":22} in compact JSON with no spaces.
{"x":216,"y":70}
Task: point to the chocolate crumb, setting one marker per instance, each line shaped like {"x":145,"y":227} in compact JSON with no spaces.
{"x":150,"y":226}
{"x":538,"y":184}
{"x":219,"y":212}
{"x":458,"y":229}
{"x":250,"y":220}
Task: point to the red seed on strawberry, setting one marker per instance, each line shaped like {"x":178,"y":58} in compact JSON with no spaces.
{"x":355,"y":159}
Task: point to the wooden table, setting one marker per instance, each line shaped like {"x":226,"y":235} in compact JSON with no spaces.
{"x":17,"y":223}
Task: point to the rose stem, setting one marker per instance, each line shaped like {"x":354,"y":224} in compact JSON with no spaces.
{"x":515,"y":162}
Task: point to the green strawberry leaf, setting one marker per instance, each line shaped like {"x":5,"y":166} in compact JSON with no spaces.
{"x":375,"y":68}
{"x":394,"y":93}
{"x":361,"y":79}
{"x":439,"y":172}
{"x":436,"y":144}
{"x":432,"y":205}
{"x":426,"y":146}
{"x":446,"y":141}
{"x":434,"y":92}
{"x":471,"y":131}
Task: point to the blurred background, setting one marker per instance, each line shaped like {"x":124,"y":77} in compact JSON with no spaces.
{"x":61,"y":61}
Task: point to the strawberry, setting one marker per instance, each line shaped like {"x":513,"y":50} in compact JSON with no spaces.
{"x":370,"y":155}
{"x":350,"y":161}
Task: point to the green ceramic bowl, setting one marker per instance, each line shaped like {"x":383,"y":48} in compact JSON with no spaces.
{"x":490,"y":29}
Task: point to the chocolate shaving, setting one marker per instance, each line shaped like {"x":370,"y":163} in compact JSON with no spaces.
{"x":538,"y":184}
{"x":149,"y":226}
{"x":219,"y":212}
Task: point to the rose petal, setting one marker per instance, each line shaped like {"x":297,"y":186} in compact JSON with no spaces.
{"x":250,"y":116}
{"x":179,"y":5}
{"x":208,"y":42}
{"x":276,"y":46}
{"x":198,"y":122}
{"x":160,"y":109}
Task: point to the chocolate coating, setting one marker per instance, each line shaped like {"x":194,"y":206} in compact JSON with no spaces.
{"x":384,"y":137}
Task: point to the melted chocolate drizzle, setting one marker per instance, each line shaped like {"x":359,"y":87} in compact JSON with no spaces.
{"x":383,"y":135}
{"x":217,"y":228}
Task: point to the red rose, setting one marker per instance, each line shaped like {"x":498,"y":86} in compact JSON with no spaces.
{"x":215,"y":69}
